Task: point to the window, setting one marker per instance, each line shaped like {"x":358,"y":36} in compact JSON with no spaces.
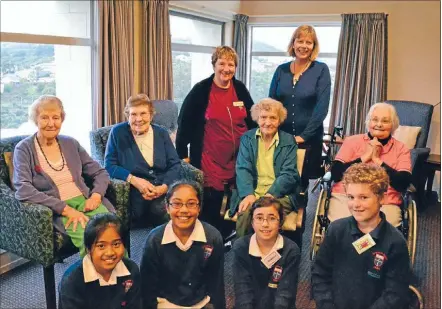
{"x":193,"y":41}
{"x":269,"y":49}
{"x":46,"y":51}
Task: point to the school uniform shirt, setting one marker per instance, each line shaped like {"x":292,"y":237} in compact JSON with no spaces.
{"x":378,"y":278}
{"x":82,"y":287}
{"x":183,"y":274}
{"x":256,"y":285}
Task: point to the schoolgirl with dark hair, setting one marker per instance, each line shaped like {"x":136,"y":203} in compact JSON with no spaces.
{"x":183,"y":260}
{"x":265,"y":264}
{"x":104,"y":278}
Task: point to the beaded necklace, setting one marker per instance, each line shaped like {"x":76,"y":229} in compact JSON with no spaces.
{"x":62,"y":157}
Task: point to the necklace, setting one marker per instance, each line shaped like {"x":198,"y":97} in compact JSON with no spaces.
{"x":47,"y":161}
{"x":296,"y":79}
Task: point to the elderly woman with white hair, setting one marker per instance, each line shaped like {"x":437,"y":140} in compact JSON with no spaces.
{"x":50,"y":169}
{"x":379,"y":147}
{"x":266,"y":163}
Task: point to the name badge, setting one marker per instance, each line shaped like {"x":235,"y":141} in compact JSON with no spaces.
{"x":364,"y":243}
{"x":270,"y":259}
{"x":238,"y":104}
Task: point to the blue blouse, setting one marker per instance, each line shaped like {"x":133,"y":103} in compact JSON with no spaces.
{"x":306,"y":102}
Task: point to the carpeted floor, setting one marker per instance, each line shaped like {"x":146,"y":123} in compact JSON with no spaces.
{"x":23,"y":287}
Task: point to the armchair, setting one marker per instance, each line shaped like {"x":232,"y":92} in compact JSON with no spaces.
{"x":27,"y":229}
{"x":418,"y":115}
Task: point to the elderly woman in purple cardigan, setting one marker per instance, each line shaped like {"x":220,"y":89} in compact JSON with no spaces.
{"x":49,"y":169}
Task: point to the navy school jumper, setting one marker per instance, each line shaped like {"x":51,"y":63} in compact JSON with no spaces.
{"x":76,"y":294}
{"x":256,"y":286}
{"x":183,"y":277}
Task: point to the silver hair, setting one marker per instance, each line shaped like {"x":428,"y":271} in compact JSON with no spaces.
{"x":41,"y":103}
{"x":268,"y":104}
{"x":393,"y":115}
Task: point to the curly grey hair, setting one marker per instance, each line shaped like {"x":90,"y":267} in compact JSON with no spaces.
{"x":41,"y":103}
{"x":268,"y":104}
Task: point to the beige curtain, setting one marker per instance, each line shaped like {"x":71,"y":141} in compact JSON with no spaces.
{"x":156,"y":51}
{"x":115,"y":60}
{"x":361,"y":70}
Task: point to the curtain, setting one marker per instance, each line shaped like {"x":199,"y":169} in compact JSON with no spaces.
{"x":240,"y":45}
{"x":115,"y":60}
{"x":156,"y":51}
{"x":361,"y":70}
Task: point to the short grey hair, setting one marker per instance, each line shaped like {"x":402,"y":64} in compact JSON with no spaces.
{"x":41,"y":103}
{"x":393,"y":115}
{"x":268,"y":104}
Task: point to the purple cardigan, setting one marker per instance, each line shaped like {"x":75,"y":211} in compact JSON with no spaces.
{"x":35,"y":186}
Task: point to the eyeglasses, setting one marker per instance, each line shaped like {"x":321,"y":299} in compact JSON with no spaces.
{"x":189,"y":205}
{"x":382,"y":121}
{"x":270,"y":220}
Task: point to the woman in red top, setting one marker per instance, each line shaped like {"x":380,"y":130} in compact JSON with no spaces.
{"x":214,"y":115}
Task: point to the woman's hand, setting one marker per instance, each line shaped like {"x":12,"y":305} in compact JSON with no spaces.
{"x":367,"y":155}
{"x":74,"y":217}
{"x":93,"y":202}
{"x":299,"y":140}
{"x":161,"y":190}
{"x":246,"y":203}
{"x":377,"y":147}
{"x":144,"y":186}
{"x":187,"y":160}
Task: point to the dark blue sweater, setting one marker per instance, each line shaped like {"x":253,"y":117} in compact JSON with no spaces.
{"x":252,"y":278}
{"x":123,"y":157}
{"x":375,"y":279}
{"x":306,"y":103}
{"x":183,"y":277}
{"x":76,"y":294}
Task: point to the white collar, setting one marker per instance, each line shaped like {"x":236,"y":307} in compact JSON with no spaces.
{"x":254,"y":248}
{"x":143,"y":137}
{"x":90,"y":273}
{"x":198,"y":234}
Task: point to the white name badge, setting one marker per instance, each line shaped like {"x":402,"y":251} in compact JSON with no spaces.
{"x":364,"y":243}
{"x":270,"y":259}
{"x":238,"y":104}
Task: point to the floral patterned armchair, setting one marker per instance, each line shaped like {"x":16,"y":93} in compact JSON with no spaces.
{"x":27,"y":229}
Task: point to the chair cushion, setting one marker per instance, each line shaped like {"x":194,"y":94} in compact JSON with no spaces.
{"x":9,"y":164}
{"x":407,"y":135}
{"x":290,"y":222}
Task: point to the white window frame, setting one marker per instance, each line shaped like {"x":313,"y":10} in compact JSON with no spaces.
{"x":12,"y":37}
{"x":192,"y":48}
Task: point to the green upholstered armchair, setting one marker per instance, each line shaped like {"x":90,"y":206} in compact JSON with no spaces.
{"x":27,"y":229}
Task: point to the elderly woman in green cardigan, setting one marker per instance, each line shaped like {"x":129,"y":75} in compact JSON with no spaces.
{"x":266,"y":163}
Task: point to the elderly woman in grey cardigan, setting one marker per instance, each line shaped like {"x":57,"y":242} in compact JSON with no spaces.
{"x":49,"y":169}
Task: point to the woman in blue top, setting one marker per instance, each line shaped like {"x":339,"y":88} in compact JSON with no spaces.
{"x":143,"y":154}
{"x":303,"y":86}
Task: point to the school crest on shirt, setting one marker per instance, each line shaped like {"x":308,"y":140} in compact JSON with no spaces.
{"x":277,"y":273}
{"x":127,"y":285}
{"x":379,"y":259}
{"x":276,"y":276}
{"x":208,"y":249}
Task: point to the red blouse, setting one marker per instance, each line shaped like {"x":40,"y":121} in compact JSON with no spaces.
{"x":225,"y":123}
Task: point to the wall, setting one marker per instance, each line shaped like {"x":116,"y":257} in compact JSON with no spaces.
{"x":413,"y":44}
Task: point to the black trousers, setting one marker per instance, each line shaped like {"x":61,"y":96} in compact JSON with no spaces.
{"x":148,"y":213}
{"x":210,"y":211}
{"x":313,"y":160}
